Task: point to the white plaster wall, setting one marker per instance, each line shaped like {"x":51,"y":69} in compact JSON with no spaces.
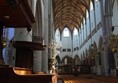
{"x":66,"y":43}
{"x":75,"y":45}
{"x":75,"y":41}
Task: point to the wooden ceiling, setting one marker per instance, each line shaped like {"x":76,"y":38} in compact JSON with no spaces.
{"x":69,"y":13}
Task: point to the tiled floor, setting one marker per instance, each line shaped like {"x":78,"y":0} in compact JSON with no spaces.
{"x":88,"y":79}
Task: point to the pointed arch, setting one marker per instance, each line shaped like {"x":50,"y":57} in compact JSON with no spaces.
{"x":91,"y":6}
{"x":66,"y":32}
{"x":67,"y":59}
{"x":76,"y":60}
{"x":87,"y":14}
{"x":58,"y":59}
{"x":57,"y":35}
{"x":75,"y":31}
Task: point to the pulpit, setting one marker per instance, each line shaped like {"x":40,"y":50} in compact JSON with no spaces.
{"x":14,"y":13}
{"x":17,"y":14}
{"x":24,"y":53}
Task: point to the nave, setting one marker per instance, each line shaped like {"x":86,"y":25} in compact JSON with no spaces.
{"x":88,"y":78}
{"x":50,"y":35}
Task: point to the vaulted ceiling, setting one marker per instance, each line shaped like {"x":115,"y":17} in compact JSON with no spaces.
{"x":69,"y":13}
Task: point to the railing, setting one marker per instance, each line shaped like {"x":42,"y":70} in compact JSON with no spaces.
{"x":72,"y":69}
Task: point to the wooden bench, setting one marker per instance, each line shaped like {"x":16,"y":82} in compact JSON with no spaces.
{"x":22,"y":75}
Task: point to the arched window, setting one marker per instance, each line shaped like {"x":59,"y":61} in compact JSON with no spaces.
{"x":57,"y":35}
{"x":66,"y":32}
{"x":83,"y":20}
{"x":75,"y":32}
{"x":65,"y":61}
{"x":81,"y":27}
{"x":91,"y":6}
{"x":87,"y":14}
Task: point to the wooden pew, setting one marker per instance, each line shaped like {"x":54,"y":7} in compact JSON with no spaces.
{"x":22,"y":75}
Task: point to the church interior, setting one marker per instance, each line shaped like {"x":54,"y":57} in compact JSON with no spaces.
{"x":58,"y":41}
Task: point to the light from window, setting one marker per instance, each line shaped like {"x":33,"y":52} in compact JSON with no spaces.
{"x":66,"y":32}
{"x":87,"y":14}
{"x":75,"y":31}
{"x":91,"y":6}
{"x":57,"y":33}
{"x":83,"y":20}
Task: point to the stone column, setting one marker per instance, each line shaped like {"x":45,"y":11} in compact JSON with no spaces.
{"x":108,"y":20}
{"x":37,"y":54}
{"x":51,"y":32}
{"x":37,"y":60}
{"x":45,"y":28}
{"x":106,"y":25}
{"x":37,"y":31}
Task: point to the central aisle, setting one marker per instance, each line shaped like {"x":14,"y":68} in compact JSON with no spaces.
{"x":88,"y":79}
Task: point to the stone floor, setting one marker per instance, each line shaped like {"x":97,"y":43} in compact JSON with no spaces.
{"x":88,"y":79}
